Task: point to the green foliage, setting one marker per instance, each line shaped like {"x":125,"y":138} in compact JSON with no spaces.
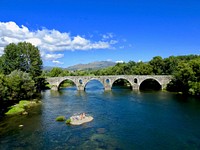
{"x":67,"y":83}
{"x":60,"y":118}
{"x":68,"y":121}
{"x":186,"y":71}
{"x":2,"y":86}
{"x":187,"y":78}
{"x":17,"y":85}
{"x":170,"y":65}
{"x":55,"y":72}
{"x":157,"y":64}
{"x":22,"y":56}
{"x":15,"y":110}
{"x":194,"y":88}
{"x":143,"y":69}
{"x":20,"y":107}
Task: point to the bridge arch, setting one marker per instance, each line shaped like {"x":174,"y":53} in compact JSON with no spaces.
{"x":65,"y":79}
{"x":93,"y":79}
{"x":151,"y":83}
{"x":107,"y":81}
{"x":121,"y":78}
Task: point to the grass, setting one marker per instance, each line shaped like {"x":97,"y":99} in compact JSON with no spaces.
{"x":15,"y":110}
{"x":60,"y":118}
{"x":68,"y":121}
{"x":20,"y":107}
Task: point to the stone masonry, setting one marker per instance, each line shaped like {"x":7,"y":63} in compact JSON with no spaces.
{"x":107,"y":81}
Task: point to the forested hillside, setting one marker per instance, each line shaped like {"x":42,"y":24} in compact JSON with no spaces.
{"x":185,"y":71}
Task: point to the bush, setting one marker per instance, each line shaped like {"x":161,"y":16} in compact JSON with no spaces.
{"x":20,"y":107}
{"x":15,"y":110}
{"x":60,"y":118}
{"x":68,"y":121}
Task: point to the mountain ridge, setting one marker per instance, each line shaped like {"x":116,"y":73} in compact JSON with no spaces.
{"x":89,"y":66}
{"x":92,"y":66}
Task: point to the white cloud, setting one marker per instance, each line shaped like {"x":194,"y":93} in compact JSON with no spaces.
{"x":52,"y":56}
{"x":119,"y":61}
{"x":113,"y":42}
{"x":57,"y":62}
{"x":49,"y":41}
{"x":108,"y":36}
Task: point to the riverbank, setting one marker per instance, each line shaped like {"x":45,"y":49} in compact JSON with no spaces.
{"x":22,"y":107}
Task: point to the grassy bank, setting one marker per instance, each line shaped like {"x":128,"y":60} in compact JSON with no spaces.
{"x":21,"y":107}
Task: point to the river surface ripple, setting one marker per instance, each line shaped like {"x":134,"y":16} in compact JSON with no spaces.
{"x":123,"y":119}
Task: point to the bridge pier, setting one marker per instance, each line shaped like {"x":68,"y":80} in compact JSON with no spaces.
{"x":135,"y":87}
{"x":107,"y":81}
{"x":54,"y":87}
{"x":107,"y":88}
{"x":80,"y":88}
{"x":163,"y":86}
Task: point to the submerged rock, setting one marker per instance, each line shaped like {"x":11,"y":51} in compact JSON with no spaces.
{"x":21,"y":125}
{"x":101,"y":130}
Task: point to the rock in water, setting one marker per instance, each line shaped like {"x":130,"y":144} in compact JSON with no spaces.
{"x":76,"y":121}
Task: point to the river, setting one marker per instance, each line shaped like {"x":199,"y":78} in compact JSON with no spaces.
{"x":123,"y":119}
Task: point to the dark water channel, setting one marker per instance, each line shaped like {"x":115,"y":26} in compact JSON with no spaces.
{"x":123,"y":119}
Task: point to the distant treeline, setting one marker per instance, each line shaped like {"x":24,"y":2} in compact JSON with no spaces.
{"x":185,"y":71}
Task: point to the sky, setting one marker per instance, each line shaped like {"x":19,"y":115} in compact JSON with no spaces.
{"x":69,"y":32}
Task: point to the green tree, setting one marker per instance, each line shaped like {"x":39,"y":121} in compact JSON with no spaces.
{"x":142,"y":69}
{"x":187,"y":78}
{"x":18,"y":85}
{"x":170,"y":65}
{"x":183,"y":75}
{"x":157,"y":65}
{"x":2,"y":86}
{"x":55,"y":72}
{"x":23,"y":56}
{"x":1,"y":65}
{"x":65,"y":73}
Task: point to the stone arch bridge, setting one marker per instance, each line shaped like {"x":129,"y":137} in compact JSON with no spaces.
{"x":107,"y":81}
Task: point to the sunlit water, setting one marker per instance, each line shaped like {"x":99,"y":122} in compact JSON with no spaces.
{"x":123,"y":119}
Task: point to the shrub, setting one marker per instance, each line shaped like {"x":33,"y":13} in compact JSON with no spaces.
{"x":15,"y":110}
{"x":60,"y":118}
{"x":68,"y":121}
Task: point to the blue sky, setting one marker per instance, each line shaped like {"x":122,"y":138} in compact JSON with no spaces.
{"x":70,"y":32}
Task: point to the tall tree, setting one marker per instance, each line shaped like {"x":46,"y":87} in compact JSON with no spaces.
{"x":143,"y":69}
{"x":25,"y":57}
{"x":55,"y":72}
{"x":22,"y":56}
{"x":19,"y":86}
{"x":157,"y":64}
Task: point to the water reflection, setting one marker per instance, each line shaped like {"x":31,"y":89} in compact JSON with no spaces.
{"x":123,"y":119}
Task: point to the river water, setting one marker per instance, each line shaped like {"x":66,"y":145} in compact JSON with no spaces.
{"x":123,"y":119}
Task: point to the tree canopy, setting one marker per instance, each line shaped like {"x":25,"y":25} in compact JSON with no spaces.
{"x":22,"y":56}
{"x":20,"y":71}
{"x":185,"y":71}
